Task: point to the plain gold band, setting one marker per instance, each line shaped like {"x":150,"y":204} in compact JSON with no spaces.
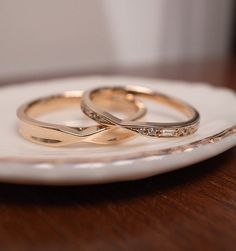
{"x":151,"y":129}
{"x":61,"y":135}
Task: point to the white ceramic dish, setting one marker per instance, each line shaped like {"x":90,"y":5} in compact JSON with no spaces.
{"x":24,"y":162}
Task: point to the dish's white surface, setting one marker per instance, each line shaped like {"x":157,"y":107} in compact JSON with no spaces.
{"x":22,"y":161}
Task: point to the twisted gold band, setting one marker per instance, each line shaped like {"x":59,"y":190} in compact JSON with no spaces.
{"x":151,"y":129}
{"x":60,"y":135}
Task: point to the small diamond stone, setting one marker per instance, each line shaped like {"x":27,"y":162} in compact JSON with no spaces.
{"x":134,"y":129}
{"x":142,"y":131}
{"x":168,"y":132}
{"x":185,"y":131}
{"x":152,"y":131}
{"x":95,"y":116}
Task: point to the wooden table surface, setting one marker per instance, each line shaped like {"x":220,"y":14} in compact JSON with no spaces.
{"x":189,"y":209}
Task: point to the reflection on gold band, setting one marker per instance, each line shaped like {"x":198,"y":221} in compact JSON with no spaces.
{"x":229,"y":132}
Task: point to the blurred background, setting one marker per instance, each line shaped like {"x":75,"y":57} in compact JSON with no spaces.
{"x":68,"y":36}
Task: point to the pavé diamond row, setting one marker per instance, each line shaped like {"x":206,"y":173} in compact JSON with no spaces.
{"x":152,"y":129}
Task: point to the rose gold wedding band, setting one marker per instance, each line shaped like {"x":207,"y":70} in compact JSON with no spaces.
{"x":49,"y":134}
{"x":151,"y":129}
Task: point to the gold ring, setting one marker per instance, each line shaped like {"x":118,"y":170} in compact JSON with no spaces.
{"x":152,"y":129}
{"x":49,"y":134}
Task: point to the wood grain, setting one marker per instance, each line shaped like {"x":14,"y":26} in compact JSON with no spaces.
{"x":190,"y":209}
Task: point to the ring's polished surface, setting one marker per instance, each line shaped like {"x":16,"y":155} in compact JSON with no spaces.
{"x":60,"y":135}
{"x":152,"y":129}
